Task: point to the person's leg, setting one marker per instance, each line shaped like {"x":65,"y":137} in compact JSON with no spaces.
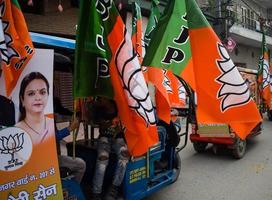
{"x":121,"y":151}
{"x":77,"y":166}
{"x":101,"y":164}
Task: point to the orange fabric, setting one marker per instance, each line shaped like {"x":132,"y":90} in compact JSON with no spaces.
{"x":266,"y":93}
{"x":156,"y":77}
{"x":78,"y":105}
{"x":242,"y":118}
{"x":140,"y":136}
{"x":163,"y":106}
{"x":174,"y":98}
{"x":145,"y":72}
{"x":267,"y":96}
{"x":20,"y":45}
{"x":137,"y":46}
{"x":188,"y":74}
{"x":137,"y":41}
{"x":167,"y":94}
{"x":40,"y":161}
{"x":50,"y":115}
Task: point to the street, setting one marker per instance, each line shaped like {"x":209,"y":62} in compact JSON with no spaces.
{"x":221,"y":177}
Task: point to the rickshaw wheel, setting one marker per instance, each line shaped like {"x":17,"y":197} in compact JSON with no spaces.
{"x":177,"y":167}
{"x":240,"y":149}
{"x":200,"y":147}
{"x":269,"y":114}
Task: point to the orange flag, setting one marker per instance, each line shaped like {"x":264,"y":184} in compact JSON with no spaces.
{"x":15,"y":43}
{"x":163,"y":87}
{"x":137,"y":30}
{"x":178,"y":95}
{"x":194,"y":52}
{"x":223,"y":96}
{"x":167,"y":92}
{"x":130,"y":90}
{"x":264,"y":74}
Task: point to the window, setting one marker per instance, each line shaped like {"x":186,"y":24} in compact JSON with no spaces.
{"x":252,"y":19}
{"x":248,"y":21}
{"x":243,"y":16}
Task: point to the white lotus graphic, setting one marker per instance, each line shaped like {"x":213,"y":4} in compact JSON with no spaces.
{"x":11,"y":144}
{"x":15,"y":148}
{"x":181,"y":92}
{"x":6,"y":51}
{"x":133,"y":81}
{"x":234,"y":90}
{"x":166,"y":82}
{"x":266,"y":74}
{"x":129,"y":70}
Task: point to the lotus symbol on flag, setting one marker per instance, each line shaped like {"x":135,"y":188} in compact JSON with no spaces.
{"x":181,"y":91}
{"x":266,"y":77}
{"x":133,"y":81}
{"x":234,"y":90}
{"x":166,"y":82}
{"x":11,"y":144}
{"x":7,"y":52}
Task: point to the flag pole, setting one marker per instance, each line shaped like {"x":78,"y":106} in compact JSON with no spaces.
{"x":75,"y":132}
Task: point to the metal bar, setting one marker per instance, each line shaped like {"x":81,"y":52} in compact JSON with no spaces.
{"x":223,"y":140}
{"x":52,"y":40}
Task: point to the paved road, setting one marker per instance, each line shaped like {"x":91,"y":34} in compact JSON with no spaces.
{"x":220,"y":177}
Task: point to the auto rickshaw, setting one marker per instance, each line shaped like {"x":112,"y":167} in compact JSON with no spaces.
{"x":159,"y":167}
{"x":221,"y":135}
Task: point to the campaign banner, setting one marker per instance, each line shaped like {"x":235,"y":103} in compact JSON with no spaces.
{"x":28,"y":156}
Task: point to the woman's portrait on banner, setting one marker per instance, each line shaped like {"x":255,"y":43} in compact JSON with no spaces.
{"x":33,"y":98}
{"x":27,"y":139}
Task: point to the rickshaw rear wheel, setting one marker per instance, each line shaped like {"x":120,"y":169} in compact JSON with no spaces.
{"x":177,"y":167}
{"x":240,"y":149}
{"x":269,"y":114}
{"x":200,"y":147}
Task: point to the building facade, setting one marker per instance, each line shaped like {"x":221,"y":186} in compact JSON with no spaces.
{"x":238,"y":22}
{"x":242,"y":22}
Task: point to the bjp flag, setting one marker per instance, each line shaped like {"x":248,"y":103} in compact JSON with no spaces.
{"x":137,"y":30}
{"x":264,"y":74}
{"x":16,"y":47}
{"x":121,"y":68}
{"x":223,"y":96}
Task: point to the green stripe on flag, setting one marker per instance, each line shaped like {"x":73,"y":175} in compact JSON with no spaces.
{"x":169,"y":47}
{"x":15,"y":3}
{"x":195,"y":20}
{"x":91,"y":71}
{"x":152,"y":22}
{"x":136,"y":13}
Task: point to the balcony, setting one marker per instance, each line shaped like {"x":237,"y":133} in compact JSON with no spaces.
{"x":247,"y":31}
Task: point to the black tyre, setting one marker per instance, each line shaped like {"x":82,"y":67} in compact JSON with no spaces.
{"x":177,"y":167}
{"x":269,"y":115}
{"x":200,"y":146}
{"x":239,"y":149}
